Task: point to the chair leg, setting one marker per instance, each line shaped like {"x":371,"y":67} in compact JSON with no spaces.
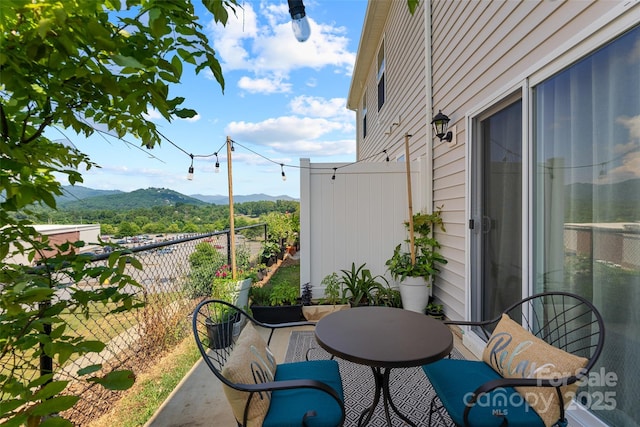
{"x":436,"y":406}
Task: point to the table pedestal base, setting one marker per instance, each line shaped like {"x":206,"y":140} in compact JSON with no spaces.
{"x":381,"y":378}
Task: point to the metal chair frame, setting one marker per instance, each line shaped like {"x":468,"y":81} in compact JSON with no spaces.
{"x":215,"y":358}
{"x":564,"y":320}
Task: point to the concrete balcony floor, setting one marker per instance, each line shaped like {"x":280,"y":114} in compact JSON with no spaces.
{"x":200,"y":401}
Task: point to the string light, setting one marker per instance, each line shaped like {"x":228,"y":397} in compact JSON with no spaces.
{"x":282,"y":165}
{"x":190,"y":173}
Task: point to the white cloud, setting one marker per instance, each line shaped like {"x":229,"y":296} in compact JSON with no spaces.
{"x":266,"y":85}
{"x":320,"y":107}
{"x":262,"y":43}
{"x":285,"y":128}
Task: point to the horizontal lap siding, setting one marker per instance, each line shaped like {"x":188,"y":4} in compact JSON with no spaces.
{"x":482,"y":49}
{"x":405,"y":98}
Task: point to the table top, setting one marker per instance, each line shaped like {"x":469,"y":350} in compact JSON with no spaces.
{"x":384,"y":337}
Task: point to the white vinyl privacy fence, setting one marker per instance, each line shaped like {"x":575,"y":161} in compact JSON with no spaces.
{"x":358,"y":217}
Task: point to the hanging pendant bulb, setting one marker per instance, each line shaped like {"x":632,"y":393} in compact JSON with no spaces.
{"x":217,"y":169}
{"x":190,"y":172}
{"x":284,"y":177}
{"x":299,"y":21}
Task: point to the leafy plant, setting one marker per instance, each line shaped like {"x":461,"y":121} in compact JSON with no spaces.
{"x":260,"y":295}
{"x":283,"y":294}
{"x":269,"y":249}
{"x":360,"y":286}
{"x":400,"y":264}
{"x":333,"y":293}
{"x":435,"y":310}
{"x":388,"y":297}
{"x":307,"y":294}
{"x":211,"y":276}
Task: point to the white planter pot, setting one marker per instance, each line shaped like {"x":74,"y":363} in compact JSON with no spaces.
{"x":414,"y":293}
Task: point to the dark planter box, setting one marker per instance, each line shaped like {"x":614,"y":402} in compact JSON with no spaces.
{"x":219,"y":334}
{"x":277,"y":314}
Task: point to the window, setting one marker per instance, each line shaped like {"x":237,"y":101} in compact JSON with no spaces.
{"x":364,"y":115}
{"x":381,"y":61}
{"x":586,"y":229}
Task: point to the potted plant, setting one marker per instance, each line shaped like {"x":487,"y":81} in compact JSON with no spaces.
{"x":220,"y":328}
{"x":269,"y":253}
{"x":276,"y":303}
{"x":360,"y":286}
{"x":414,"y":269}
{"x":435,"y":310}
{"x":332,"y":301}
{"x":234,"y":290}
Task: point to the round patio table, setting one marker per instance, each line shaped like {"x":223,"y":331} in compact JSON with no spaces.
{"x":384,"y":338}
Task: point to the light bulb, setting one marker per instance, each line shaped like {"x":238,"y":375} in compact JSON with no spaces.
{"x":299,"y":21}
{"x":301,"y":28}
{"x":284,"y":177}
{"x":190,"y":174}
{"x":217,"y":169}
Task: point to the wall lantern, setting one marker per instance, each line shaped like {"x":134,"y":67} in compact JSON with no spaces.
{"x":440,"y":124}
{"x":299,"y":21}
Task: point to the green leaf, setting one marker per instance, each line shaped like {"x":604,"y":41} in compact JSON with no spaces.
{"x":412,"y":4}
{"x":186,"y":113}
{"x":127,"y":62}
{"x":54,"y":405}
{"x":56,"y":422}
{"x":89,"y":369}
{"x":177,"y":64}
{"x":51,"y":389}
{"x":116,"y":380}
{"x":91,"y":346}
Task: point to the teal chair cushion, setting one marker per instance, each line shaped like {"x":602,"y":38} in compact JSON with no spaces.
{"x":454,"y":380}
{"x":288,"y":407}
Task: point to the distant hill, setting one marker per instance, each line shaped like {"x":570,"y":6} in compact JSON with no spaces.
{"x":135,"y":199}
{"x":73,"y":193}
{"x":615,"y":202}
{"x":78,"y":197}
{"x":224,"y":200}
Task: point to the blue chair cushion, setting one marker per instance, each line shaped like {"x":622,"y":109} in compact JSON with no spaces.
{"x":288,"y":407}
{"x":454,"y":380}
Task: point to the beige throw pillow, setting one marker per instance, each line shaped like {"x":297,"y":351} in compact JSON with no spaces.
{"x":514,"y":352}
{"x":250,"y":362}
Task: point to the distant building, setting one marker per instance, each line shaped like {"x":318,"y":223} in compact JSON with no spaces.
{"x":59,"y":234}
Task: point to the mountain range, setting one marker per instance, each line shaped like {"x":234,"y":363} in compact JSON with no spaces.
{"x":78,"y":197}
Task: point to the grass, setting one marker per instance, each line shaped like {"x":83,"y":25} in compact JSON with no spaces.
{"x":289,"y":273}
{"x":152,"y":388}
{"x":138,"y":404}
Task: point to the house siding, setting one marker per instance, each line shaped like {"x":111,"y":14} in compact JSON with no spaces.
{"x":404,"y":109}
{"x":482,"y":51}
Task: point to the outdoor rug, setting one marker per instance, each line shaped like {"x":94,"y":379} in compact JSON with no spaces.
{"x":410,"y":388}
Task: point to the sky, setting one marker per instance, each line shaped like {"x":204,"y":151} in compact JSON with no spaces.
{"x":283,"y":100}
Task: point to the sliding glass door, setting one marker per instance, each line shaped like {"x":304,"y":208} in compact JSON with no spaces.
{"x":496,"y":237}
{"x":586,"y":225}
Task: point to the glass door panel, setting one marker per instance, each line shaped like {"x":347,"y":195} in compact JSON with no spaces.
{"x":497,"y":212}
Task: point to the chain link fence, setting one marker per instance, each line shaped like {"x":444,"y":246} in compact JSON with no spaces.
{"x":135,"y":338}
